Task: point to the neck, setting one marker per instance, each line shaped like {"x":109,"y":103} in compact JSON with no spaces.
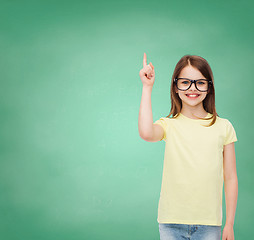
{"x":194,"y":112}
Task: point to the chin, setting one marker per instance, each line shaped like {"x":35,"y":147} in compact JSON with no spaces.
{"x":192,"y":102}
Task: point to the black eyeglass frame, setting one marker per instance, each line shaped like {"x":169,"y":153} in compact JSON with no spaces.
{"x":194,"y":81}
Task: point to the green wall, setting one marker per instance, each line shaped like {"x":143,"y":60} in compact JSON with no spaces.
{"x":72,"y":164}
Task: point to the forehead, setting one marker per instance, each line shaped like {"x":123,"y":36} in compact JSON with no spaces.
{"x":190,"y":72}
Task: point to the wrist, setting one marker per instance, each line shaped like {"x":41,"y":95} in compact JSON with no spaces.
{"x":147,"y":88}
{"x":230,"y":224}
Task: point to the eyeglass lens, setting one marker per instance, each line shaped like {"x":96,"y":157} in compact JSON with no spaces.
{"x":184,"y":84}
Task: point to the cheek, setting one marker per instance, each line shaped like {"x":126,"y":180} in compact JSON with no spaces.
{"x":181,"y":95}
{"x":203,"y":96}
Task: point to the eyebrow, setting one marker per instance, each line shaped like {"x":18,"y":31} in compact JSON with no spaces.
{"x":192,"y":79}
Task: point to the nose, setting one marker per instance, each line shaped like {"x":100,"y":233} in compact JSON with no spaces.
{"x":193,"y":87}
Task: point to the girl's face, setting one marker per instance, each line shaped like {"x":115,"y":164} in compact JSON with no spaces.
{"x":191,"y":73}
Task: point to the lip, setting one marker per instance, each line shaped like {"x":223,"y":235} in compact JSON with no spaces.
{"x":192,"y":94}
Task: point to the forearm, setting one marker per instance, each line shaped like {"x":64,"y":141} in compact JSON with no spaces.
{"x":145,"y":121}
{"x":231,"y":194}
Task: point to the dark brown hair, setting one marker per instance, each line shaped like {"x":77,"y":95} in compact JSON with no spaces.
{"x":209,"y":102}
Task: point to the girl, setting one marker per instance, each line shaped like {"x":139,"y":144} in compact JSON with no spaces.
{"x":199,"y":154}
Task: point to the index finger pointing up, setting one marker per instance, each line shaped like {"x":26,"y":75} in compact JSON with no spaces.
{"x":144,"y":60}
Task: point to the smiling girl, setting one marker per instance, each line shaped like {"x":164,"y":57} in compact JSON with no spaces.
{"x":199,"y":154}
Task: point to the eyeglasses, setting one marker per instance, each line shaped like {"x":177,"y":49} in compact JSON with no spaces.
{"x":184,"y":84}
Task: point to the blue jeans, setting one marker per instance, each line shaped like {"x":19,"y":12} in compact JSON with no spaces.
{"x":173,"y":231}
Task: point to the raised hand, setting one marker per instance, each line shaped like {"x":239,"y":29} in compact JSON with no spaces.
{"x":147,"y":74}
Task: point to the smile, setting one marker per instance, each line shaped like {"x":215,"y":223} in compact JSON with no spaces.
{"x":192,"y":96}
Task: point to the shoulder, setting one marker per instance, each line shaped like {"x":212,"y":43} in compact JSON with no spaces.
{"x":229,"y":131}
{"x":169,"y":120}
{"x":226,"y":122}
{"x":165,"y":122}
{"x":166,"y":119}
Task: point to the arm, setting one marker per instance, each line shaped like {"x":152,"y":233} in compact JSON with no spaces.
{"x":231,"y":187}
{"x":147,"y":130}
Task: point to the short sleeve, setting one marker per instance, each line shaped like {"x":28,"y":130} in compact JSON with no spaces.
{"x":230,"y":133}
{"x":164,"y":123}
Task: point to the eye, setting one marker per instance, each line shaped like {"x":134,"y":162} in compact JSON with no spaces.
{"x":185,"y":82}
{"x":201,"y":82}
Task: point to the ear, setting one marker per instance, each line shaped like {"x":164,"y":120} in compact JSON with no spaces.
{"x":176,"y":90}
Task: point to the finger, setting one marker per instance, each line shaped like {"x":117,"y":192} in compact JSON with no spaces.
{"x":144,"y":60}
{"x":152,"y":65}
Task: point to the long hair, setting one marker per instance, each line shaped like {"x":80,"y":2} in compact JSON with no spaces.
{"x":209,"y":102}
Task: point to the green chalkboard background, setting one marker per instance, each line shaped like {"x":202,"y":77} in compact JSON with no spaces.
{"x":72,"y":163}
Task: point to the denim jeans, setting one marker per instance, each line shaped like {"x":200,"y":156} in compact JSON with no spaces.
{"x":173,"y":231}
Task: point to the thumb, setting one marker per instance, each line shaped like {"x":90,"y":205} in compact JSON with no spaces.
{"x":151,"y":65}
